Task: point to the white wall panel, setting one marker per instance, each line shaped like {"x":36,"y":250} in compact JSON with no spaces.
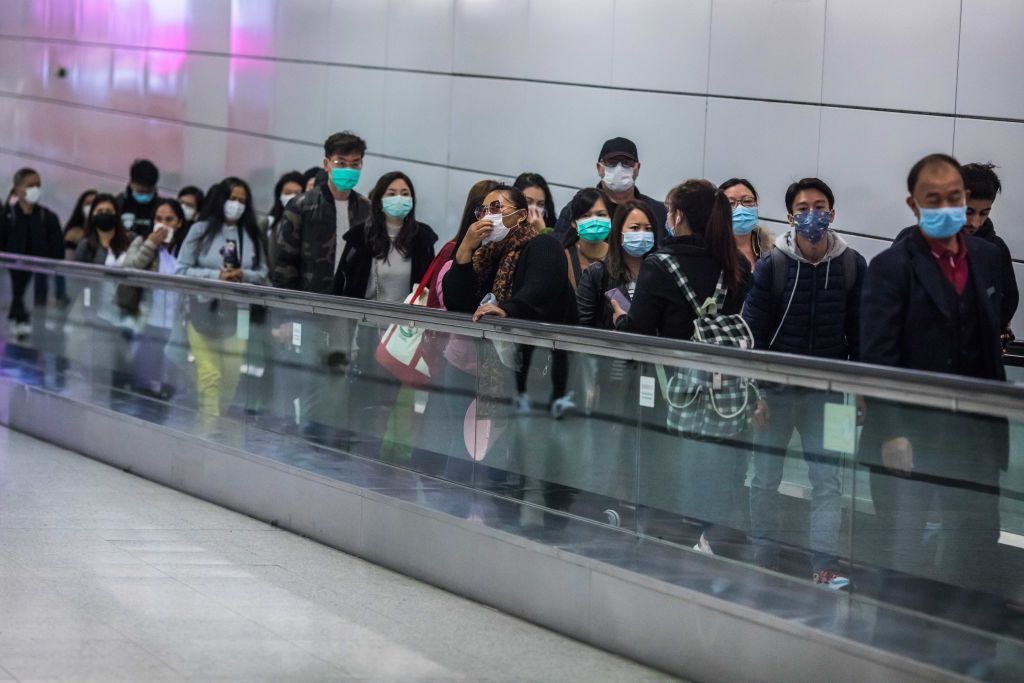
{"x":661,"y":44}
{"x":991,"y":55}
{"x":1002,"y":144}
{"x":770,"y":144}
{"x":770,"y":50}
{"x":420,"y":34}
{"x":490,"y":36}
{"x":483,"y":111}
{"x":301,"y":29}
{"x":359,"y":32}
{"x":355,"y":101}
{"x":570,"y":41}
{"x":417,"y":110}
{"x":865,"y":157}
{"x":898,"y":55}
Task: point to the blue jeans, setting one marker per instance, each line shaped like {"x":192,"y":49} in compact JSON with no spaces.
{"x":803,"y":410}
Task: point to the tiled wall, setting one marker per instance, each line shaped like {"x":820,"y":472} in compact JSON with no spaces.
{"x":453,"y":90}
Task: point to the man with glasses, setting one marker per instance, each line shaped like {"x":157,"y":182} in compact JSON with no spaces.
{"x":308,"y":246}
{"x":618,"y":166}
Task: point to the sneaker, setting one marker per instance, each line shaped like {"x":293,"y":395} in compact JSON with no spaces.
{"x":560,"y":405}
{"x":522,"y":403}
{"x":702,"y":546}
{"x":832,"y":579}
{"x":24,"y":330}
{"x":613,"y":517}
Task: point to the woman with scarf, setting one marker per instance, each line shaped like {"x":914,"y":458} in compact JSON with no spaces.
{"x":503,"y":267}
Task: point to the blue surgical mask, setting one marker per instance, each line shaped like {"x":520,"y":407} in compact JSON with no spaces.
{"x":397,"y":206}
{"x":942,"y":223}
{"x":668,"y":229}
{"x":594,"y":229}
{"x":344,"y":179}
{"x":637,"y":243}
{"x":744,"y":219}
{"x":812,"y":225}
{"x":142,"y":198}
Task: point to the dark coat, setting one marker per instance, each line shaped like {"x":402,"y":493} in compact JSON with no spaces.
{"x":1011,"y":295}
{"x":563,"y":225}
{"x":306,"y":238}
{"x":594,"y":308}
{"x":907,"y":321}
{"x":822,"y":318}
{"x":659,"y":306}
{"x":357,"y":259}
{"x":143,"y":213}
{"x":540,"y":286}
{"x":35,"y":234}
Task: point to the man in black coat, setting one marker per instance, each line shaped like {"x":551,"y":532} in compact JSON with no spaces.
{"x":932,"y":302}
{"x":27,"y":227}
{"x":138,"y":201}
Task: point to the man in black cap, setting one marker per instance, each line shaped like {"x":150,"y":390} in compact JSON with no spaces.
{"x":617,"y":166}
{"x":138,"y":201}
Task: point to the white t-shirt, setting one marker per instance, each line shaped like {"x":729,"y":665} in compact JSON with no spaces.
{"x":342,"y":226}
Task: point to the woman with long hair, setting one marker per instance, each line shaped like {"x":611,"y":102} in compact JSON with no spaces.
{"x":225,"y":244}
{"x":703,"y":482}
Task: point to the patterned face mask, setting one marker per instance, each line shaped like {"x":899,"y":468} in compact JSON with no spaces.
{"x":812,"y":224}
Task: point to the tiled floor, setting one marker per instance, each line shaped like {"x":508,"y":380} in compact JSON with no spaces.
{"x":107,"y":577}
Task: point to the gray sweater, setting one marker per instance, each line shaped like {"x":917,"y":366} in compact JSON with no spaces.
{"x":205,"y":261}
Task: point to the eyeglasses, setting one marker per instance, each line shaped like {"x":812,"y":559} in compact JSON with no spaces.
{"x":748,"y":202}
{"x":481,"y":211}
{"x":341,"y":163}
{"x":628,"y":163}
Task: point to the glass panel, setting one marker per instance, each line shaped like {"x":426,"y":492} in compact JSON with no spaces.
{"x":558,"y":430}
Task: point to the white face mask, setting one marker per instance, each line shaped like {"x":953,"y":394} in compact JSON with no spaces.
{"x":618,"y":178}
{"x":33,"y":194}
{"x":285,"y":198}
{"x":499,"y":232}
{"x":233,"y":209}
{"x":188,"y":211}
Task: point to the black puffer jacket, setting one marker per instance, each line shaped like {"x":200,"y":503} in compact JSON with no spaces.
{"x":140,"y":216}
{"x":818,"y":313}
{"x":305,"y":241}
{"x":659,"y":306}
{"x":35,"y":234}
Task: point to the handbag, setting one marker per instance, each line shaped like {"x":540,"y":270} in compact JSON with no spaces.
{"x":401,"y":351}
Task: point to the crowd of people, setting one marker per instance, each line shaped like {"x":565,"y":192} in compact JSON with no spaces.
{"x":699,"y":265}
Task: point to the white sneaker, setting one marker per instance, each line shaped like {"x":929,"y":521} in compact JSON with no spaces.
{"x":703,"y":546}
{"x":522,"y":403}
{"x":560,"y":405}
{"x":24,"y":330}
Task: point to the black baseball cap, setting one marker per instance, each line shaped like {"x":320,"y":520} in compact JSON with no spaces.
{"x":618,"y":148}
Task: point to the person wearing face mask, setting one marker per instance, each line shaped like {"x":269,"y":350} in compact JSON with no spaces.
{"x":587,"y":239}
{"x":158,"y":308}
{"x":308,"y":244}
{"x":932,"y":301}
{"x":138,"y":200}
{"x":73,"y":231}
{"x":191,"y":199}
{"x":618,"y":166}
{"x":226,"y":244}
{"x":289,"y":186}
{"x":752,"y":239}
{"x":805,"y":300}
{"x":542,"y":204}
{"x":27,"y":227}
{"x":105,"y":243}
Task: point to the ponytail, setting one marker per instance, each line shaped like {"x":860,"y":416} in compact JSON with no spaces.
{"x":709,"y":215}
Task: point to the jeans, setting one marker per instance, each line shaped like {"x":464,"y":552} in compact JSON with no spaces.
{"x":803,"y":410}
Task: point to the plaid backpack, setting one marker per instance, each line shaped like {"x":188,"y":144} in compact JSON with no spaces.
{"x":702,"y":402}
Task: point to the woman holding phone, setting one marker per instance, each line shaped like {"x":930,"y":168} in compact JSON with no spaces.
{"x":225,"y":245}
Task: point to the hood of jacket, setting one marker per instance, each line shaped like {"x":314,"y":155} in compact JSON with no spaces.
{"x":786,"y":243}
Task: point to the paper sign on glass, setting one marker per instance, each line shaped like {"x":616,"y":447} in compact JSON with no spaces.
{"x":840,"y":428}
{"x":647,"y":387}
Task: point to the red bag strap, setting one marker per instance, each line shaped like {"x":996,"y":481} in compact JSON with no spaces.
{"x":431,"y":269}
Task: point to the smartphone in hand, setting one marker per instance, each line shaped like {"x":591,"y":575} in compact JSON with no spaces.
{"x":617,"y":295}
